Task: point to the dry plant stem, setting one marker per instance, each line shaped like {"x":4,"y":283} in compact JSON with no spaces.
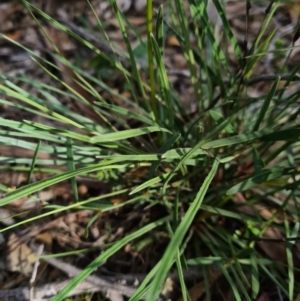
{"x":91,"y":284}
{"x":34,"y":272}
{"x":105,"y":286}
{"x":46,"y":292}
{"x":34,"y":231}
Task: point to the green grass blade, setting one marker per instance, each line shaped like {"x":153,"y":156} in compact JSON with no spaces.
{"x":164,"y":84}
{"x":231,"y":283}
{"x":254,"y":277}
{"x":266,"y":105}
{"x":163,"y":150}
{"x":260,"y":53}
{"x":80,"y":205}
{"x":178,"y":153}
{"x":219,"y":119}
{"x":122,"y":135}
{"x":104,"y":256}
{"x":71,"y":167}
{"x":263,"y":28}
{"x":159,"y":31}
{"x":229,"y":33}
{"x":130,"y":52}
{"x":179,"y":234}
{"x":264,"y":176}
{"x":150,"y":183}
{"x":27,"y":98}
{"x":184,"y":290}
{"x":127,"y":113}
{"x":31,"y":188}
{"x":187,"y":46}
{"x":263,"y":135}
{"x":199,"y":9}
{"x":32,"y":165}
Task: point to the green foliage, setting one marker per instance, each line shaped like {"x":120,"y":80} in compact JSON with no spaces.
{"x":198,"y":165}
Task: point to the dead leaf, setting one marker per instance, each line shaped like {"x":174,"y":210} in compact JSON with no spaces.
{"x":21,"y":258}
{"x":13,"y":36}
{"x":172,"y":41}
{"x":278,"y":253}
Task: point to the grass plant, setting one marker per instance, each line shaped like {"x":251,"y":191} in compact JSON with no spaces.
{"x":213,"y":172}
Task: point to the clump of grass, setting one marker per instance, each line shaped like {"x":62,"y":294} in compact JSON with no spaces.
{"x":211,"y":171}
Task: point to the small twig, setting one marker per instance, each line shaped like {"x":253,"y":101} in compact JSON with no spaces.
{"x":35,"y":269}
{"x":47,"y":291}
{"x":105,"y":286}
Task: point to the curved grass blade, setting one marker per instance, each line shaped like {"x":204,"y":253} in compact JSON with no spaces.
{"x":133,"y":158}
{"x":178,"y":153}
{"x":159,"y":31}
{"x":199,"y":10}
{"x":127,"y":113}
{"x":104,"y":256}
{"x":149,"y":183}
{"x":133,"y":62}
{"x":89,"y":224}
{"x":122,"y":135}
{"x":82,"y":204}
{"x":33,"y":163}
{"x":229,"y":33}
{"x":31,"y":188}
{"x":63,"y":28}
{"x":27,"y":98}
{"x":219,"y":119}
{"x":291,"y":133}
{"x":260,"y":53}
{"x":164,"y":149}
{"x":57,"y":151}
{"x":257,"y":161}
{"x":48,"y":129}
{"x":231,"y":282}
{"x":288,"y":134}
{"x":187,"y":156}
{"x":164,"y":84}
{"x":254,"y":276}
{"x":264,"y":176}
{"x":186,"y":45}
{"x":179,"y":234}
{"x":266,"y":105}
